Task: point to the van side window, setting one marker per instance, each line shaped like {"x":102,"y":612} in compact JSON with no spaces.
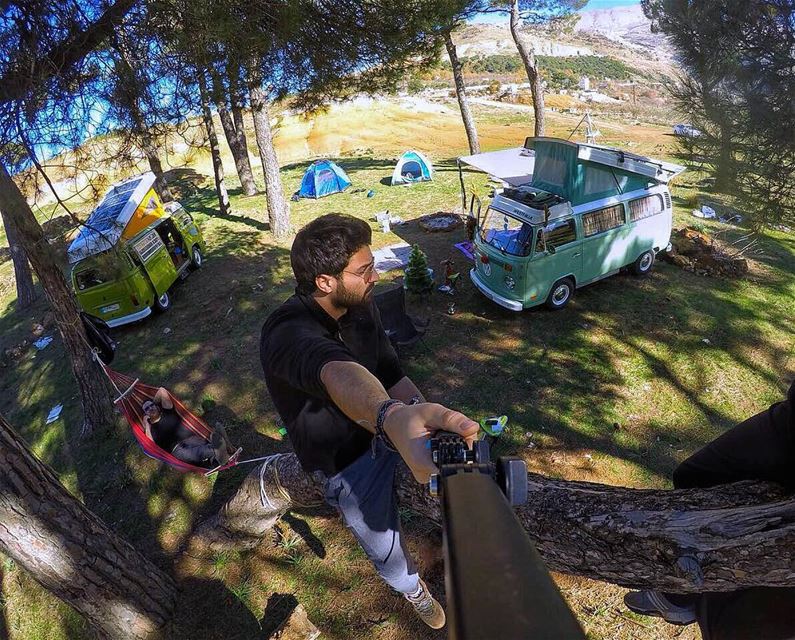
{"x":645,"y":207}
{"x":603,"y":220}
{"x":148,"y":245}
{"x":557,"y":234}
{"x":88,"y":278}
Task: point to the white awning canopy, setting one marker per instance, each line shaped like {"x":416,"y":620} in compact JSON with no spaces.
{"x":514,"y":166}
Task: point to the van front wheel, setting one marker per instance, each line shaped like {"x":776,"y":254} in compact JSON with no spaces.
{"x":197,"y":259}
{"x":643,"y":265}
{"x":560,"y":294}
{"x":163,"y":303}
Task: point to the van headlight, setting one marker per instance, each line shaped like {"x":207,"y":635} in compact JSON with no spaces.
{"x":510,"y":282}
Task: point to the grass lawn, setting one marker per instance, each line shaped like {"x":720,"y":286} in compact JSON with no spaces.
{"x":618,"y":388}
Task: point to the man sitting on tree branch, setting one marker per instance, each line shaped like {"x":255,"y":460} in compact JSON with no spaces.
{"x":761,"y":448}
{"x":350,"y":412}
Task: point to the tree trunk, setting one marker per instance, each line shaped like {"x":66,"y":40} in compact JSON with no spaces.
{"x":724,"y":175}
{"x":215,"y":150}
{"x":73,"y":554}
{"x":237,"y":100}
{"x":161,"y":186}
{"x":531,"y":68}
{"x":685,"y":540}
{"x":235,"y":137}
{"x":97,"y":408}
{"x":278,"y":208}
{"x":26,"y":292}
{"x":461,"y":94}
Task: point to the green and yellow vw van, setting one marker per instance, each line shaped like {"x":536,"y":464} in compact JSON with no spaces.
{"x":131,"y":251}
{"x":587,"y":212}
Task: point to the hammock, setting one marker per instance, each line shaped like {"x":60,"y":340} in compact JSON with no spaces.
{"x":130,"y":402}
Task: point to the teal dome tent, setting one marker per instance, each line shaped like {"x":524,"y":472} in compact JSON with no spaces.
{"x":412,"y":167}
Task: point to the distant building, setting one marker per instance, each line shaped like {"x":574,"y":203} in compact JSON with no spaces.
{"x":585,"y":83}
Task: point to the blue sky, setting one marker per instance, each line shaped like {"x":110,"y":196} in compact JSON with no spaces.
{"x":591,"y":6}
{"x":609,"y":4}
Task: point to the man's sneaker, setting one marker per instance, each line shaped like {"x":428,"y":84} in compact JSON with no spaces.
{"x":654,"y":603}
{"x":426,"y":606}
{"x":218,"y":443}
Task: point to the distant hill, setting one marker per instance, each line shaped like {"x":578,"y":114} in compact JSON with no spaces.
{"x":627,"y":26}
{"x":623,"y":33}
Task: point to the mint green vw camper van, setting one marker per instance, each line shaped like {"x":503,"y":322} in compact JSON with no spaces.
{"x":587,"y":212}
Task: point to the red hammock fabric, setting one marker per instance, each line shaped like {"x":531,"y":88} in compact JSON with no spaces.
{"x":132,"y":396}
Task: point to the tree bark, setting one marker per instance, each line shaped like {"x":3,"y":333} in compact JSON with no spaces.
{"x":97,"y":408}
{"x":725,"y":174}
{"x":26,"y":291}
{"x":152,"y":156}
{"x":461,"y":94}
{"x":215,"y":150}
{"x":237,"y":100}
{"x":531,"y":68}
{"x":73,"y":554}
{"x":235,"y":137}
{"x":685,"y":540}
{"x":278,"y":208}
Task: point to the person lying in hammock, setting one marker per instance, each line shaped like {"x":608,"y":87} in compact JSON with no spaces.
{"x":164,"y":426}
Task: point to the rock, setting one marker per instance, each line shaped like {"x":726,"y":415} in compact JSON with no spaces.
{"x":167,"y":330}
{"x":739,"y":266}
{"x":681,"y":261}
{"x":297,"y":627}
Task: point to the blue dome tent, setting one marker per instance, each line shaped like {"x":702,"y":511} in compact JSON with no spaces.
{"x":322,"y":178}
{"x":412,"y":167}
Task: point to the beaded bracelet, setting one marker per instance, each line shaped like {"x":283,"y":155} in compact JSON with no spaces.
{"x":379,"y":422}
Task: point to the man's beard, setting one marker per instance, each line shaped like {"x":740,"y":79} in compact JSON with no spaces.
{"x":345,"y":299}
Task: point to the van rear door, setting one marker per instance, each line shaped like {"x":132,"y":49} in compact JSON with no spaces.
{"x":156,"y":261}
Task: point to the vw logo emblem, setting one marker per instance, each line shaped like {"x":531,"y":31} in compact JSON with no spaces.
{"x":487,"y":269}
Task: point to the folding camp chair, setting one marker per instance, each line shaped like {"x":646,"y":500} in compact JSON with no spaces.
{"x":403,"y":330}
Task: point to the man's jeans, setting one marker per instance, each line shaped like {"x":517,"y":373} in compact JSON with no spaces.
{"x":364,"y":495}
{"x":195,"y":450}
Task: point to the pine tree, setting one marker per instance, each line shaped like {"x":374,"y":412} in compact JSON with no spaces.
{"x":417,"y":277}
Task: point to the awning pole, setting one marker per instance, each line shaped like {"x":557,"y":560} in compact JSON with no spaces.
{"x":463,"y":189}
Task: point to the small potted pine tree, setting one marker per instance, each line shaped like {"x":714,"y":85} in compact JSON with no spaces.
{"x":418,"y":278}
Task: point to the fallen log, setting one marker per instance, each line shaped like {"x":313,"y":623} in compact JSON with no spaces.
{"x":717,"y":539}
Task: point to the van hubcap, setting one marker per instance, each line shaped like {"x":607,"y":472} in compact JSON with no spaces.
{"x":561,"y":294}
{"x":645,"y":261}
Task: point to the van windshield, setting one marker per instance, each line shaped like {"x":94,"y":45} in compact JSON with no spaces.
{"x":506,"y":233}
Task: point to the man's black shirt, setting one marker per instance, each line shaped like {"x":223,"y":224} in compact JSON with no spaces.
{"x":168,"y":431}
{"x":297,"y":340}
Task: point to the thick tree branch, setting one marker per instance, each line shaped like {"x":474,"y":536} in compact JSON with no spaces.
{"x":685,"y":540}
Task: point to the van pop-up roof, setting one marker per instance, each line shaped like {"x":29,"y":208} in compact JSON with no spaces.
{"x":128,"y":207}
{"x":581,"y":173}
